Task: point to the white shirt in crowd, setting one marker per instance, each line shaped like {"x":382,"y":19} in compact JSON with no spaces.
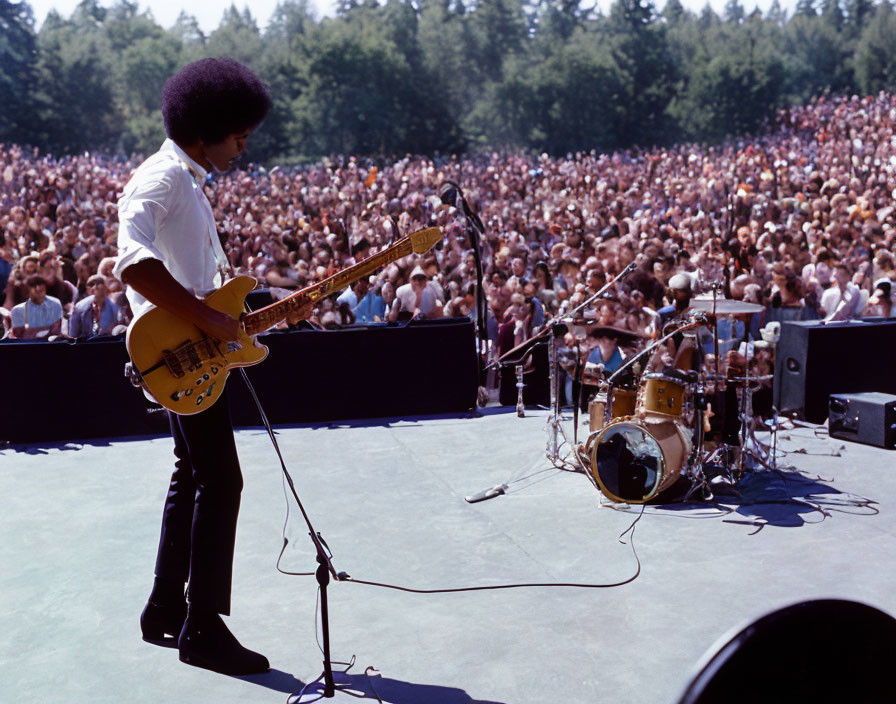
{"x":406,"y":297}
{"x":29,"y":314}
{"x":851,"y":300}
{"x":163,"y":214}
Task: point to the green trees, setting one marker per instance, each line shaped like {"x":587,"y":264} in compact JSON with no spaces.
{"x":875,"y":59}
{"x":18,"y":59}
{"x":387,"y":77}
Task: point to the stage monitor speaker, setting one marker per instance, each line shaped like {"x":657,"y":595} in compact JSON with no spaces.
{"x":869,"y":418}
{"x":829,"y":650}
{"x":813,"y":360}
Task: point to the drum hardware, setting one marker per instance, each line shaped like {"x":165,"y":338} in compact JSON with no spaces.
{"x":699,"y":480}
{"x":554,"y":425}
{"x":635,"y":452}
{"x":714,"y":305}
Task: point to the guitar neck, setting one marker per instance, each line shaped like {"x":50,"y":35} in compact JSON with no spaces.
{"x":267,"y":317}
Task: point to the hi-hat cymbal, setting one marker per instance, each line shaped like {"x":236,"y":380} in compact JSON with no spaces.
{"x":723,"y":306}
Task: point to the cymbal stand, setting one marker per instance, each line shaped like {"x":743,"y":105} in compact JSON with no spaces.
{"x":520,"y":386}
{"x":699,"y":481}
{"x":555,"y":425}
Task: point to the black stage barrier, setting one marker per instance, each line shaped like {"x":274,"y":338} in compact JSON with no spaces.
{"x":72,"y":390}
{"x":813,"y":361}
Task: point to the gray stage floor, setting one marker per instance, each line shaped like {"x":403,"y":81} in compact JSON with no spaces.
{"x":80,"y":526}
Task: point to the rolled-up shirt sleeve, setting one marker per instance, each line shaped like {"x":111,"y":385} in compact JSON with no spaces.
{"x":140,"y":214}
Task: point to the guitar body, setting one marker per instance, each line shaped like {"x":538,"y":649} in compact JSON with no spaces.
{"x":183,"y":368}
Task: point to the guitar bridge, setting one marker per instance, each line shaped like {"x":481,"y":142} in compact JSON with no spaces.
{"x":173,"y":362}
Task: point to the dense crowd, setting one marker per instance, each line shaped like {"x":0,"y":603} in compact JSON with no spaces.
{"x":799,"y":219}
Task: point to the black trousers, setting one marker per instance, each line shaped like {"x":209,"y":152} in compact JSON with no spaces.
{"x":199,"y":519}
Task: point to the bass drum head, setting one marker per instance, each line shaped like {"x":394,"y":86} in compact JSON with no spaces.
{"x":627,"y":462}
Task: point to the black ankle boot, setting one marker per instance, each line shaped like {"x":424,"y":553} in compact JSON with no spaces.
{"x":205,"y":641}
{"x":166,"y":610}
{"x":158,"y":621}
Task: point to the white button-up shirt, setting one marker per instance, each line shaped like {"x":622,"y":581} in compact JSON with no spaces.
{"x":164,"y":214}
{"x":840,"y":305}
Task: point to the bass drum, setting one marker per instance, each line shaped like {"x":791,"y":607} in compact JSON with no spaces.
{"x":634,"y":459}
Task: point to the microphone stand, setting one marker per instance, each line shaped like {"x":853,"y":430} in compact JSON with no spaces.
{"x":559,"y":318}
{"x":475,"y":228}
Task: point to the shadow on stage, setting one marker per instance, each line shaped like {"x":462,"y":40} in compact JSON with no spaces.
{"x":45,"y":448}
{"x":781,"y":498}
{"x":364,"y":686}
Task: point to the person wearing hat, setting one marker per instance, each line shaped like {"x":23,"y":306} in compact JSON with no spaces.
{"x":681,"y":293}
{"x":606,"y":352}
{"x":414,"y":299}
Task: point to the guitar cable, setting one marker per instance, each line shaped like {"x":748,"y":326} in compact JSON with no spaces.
{"x":344,"y":577}
{"x":370,"y":671}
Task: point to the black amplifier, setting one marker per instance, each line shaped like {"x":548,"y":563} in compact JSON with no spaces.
{"x":867,"y":417}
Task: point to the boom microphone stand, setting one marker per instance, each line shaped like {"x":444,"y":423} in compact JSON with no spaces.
{"x":556,"y":327}
{"x":450,"y":194}
{"x":324,"y":557}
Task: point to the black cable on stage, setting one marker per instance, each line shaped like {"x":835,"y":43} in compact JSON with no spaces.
{"x":343,"y":577}
{"x":488,"y":587}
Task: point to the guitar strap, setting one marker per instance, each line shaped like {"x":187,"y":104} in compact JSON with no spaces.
{"x":223,"y":263}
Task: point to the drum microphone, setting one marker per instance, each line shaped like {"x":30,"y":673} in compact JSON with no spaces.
{"x":487,"y":494}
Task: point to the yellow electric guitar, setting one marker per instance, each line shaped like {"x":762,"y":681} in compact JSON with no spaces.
{"x":185,"y":370}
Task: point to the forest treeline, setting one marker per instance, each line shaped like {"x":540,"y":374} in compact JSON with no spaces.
{"x":423,"y":76}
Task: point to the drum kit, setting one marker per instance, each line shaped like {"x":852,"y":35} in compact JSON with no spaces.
{"x":651,"y":431}
{"x":646,"y":437}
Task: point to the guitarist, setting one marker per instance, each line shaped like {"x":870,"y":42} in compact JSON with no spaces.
{"x":169,"y":256}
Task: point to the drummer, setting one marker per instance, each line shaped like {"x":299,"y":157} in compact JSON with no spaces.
{"x":680,"y":292}
{"x":606,"y":358}
{"x":680,"y":351}
{"x":607,"y":352}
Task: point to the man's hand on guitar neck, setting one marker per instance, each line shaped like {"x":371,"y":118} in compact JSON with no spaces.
{"x":155,"y":283}
{"x":300,"y":312}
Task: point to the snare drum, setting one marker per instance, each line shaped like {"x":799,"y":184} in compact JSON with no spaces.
{"x":662,"y":394}
{"x":623,"y":405}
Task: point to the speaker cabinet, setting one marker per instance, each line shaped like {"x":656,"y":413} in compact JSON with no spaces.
{"x":813,"y":360}
{"x":869,"y":418}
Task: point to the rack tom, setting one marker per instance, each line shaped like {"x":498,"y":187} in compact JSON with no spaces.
{"x":662,"y":394}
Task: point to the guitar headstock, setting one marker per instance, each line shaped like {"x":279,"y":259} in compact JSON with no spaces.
{"x":423,"y":240}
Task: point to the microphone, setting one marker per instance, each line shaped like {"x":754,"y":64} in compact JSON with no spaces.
{"x":448,"y":193}
{"x":486,"y":494}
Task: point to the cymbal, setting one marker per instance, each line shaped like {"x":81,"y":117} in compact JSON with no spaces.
{"x":626,"y":338}
{"x":724,"y":306}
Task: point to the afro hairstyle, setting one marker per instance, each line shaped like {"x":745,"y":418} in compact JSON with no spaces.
{"x":210,"y":99}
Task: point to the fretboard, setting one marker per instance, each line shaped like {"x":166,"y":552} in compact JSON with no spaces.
{"x":267,"y":317}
